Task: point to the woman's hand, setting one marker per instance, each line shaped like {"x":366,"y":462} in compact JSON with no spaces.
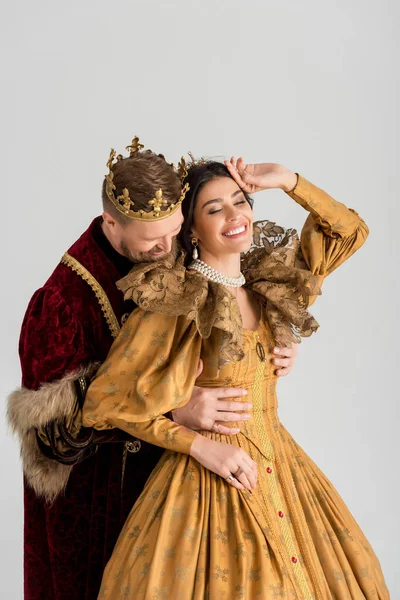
{"x":265,"y":176}
{"x":225,"y":460}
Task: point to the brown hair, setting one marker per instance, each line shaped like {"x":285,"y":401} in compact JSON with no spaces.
{"x":142,"y":174}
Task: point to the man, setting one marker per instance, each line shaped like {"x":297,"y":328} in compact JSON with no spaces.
{"x":79,"y":489}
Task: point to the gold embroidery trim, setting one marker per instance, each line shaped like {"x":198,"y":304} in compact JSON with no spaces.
{"x":100,"y":294}
{"x":109,"y":316}
{"x":271,"y":482}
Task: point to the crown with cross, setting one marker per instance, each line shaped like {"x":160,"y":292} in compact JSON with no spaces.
{"x":158,"y":207}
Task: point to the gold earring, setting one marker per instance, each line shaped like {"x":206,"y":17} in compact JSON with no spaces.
{"x":195,"y":253}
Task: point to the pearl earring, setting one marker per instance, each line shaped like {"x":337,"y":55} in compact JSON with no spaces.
{"x":195,"y":253}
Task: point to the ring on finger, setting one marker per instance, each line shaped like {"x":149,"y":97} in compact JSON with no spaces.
{"x":229,"y":478}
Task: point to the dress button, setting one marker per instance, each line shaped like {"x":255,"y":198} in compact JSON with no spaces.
{"x":294,"y":560}
{"x":269,"y":470}
{"x":280,"y":513}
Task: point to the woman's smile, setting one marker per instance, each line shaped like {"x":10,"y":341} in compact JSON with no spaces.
{"x":237,"y":231}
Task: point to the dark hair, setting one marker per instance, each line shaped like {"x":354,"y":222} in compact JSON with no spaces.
{"x":142,"y":174}
{"x":197,"y":177}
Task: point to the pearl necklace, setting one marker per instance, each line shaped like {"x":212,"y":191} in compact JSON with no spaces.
{"x":213,"y":275}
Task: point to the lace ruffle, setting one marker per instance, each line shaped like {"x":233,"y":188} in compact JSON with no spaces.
{"x":175,"y":290}
{"x":274,"y":271}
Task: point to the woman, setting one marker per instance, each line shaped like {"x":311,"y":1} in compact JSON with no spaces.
{"x":248,"y":516}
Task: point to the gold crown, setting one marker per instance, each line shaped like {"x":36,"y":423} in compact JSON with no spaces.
{"x":184,"y":167}
{"x":160,"y":209}
{"x":197,"y":162}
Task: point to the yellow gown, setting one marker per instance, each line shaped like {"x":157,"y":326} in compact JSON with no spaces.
{"x":191,"y":535}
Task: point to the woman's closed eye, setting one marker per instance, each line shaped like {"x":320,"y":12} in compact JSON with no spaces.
{"x":213,"y":212}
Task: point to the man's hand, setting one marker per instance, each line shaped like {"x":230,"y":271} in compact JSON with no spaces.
{"x":285,"y":358}
{"x":210,"y":408}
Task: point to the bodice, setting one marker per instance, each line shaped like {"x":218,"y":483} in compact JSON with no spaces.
{"x":255,"y":375}
{"x":239,"y":373}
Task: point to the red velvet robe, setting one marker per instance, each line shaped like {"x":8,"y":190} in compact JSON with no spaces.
{"x":68,"y":543}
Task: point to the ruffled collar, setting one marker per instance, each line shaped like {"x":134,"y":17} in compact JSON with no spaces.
{"x":273,"y":271}
{"x":173,"y":289}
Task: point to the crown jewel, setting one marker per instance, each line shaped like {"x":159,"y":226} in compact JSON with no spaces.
{"x":160,"y":209}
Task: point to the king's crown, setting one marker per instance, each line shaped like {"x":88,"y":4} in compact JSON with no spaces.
{"x":159,"y":208}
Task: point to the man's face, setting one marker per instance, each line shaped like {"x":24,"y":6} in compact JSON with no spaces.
{"x":145,"y":241}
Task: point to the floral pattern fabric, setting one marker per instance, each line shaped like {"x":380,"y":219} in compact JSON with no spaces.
{"x":190,"y":534}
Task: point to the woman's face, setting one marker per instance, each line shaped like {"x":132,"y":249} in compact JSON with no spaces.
{"x":223,"y":219}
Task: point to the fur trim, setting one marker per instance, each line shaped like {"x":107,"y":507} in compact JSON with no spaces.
{"x":28,"y":410}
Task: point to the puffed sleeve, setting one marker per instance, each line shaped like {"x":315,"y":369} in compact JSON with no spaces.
{"x":150,"y":370}
{"x":52,"y":342}
{"x":332,"y":232}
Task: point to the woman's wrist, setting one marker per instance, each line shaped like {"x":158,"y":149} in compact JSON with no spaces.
{"x":289,"y":181}
{"x":198,"y":446}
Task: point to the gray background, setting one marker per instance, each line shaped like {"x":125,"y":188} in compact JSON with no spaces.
{"x":310,"y":84}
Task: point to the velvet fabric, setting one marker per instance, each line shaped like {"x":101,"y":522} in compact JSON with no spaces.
{"x":67,"y":544}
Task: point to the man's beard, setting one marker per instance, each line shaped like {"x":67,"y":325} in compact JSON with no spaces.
{"x":145,"y":257}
